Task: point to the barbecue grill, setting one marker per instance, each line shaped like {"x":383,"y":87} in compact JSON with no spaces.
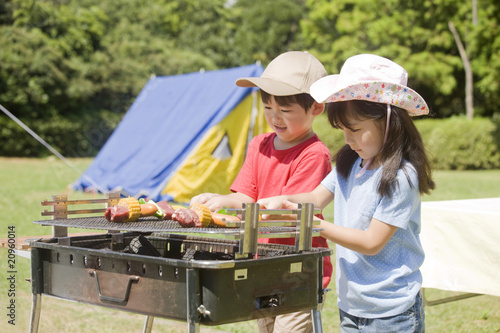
{"x":205,"y":276}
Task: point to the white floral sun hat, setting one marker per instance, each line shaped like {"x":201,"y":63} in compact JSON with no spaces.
{"x":371,"y":78}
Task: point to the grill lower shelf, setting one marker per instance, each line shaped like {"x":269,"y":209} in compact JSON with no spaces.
{"x":192,"y":278}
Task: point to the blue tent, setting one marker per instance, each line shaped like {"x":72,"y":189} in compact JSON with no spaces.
{"x":167,"y":121}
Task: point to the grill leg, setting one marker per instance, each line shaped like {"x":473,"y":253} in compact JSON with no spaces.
{"x":193,"y":300}
{"x":316,"y":321}
{"x":36,"y":307}
{"x":148,"y":324}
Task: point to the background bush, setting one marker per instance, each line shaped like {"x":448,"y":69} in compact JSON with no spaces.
{"x":457,"y":143}
{"x":452,"y":144}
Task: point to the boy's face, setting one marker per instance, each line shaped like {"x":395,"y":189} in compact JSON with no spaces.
{"x":292,"y":124}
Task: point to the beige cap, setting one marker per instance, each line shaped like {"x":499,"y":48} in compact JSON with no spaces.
{"x":290,"y":73}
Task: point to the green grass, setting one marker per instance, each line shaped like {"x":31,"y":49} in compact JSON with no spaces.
{"x":457,"y":185}
{"x":24,"y":183}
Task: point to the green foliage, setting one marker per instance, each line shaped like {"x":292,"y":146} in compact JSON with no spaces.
{"x":34,"y":73}
{"x":460,"y":144}
{"x":64,"y":65}
{"x":484,"y":50}
{"x":264,"y":29}
{"x":78,"y":56}
{"x":205,"y":30}
{"x":60,"y":59}
{"x":416,"y":35}
{"x":5,"y":12}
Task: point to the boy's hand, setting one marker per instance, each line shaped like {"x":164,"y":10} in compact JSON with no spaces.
{"x":216,"y":203}
{"x":202,"y":198}
{"x":213,"y":201}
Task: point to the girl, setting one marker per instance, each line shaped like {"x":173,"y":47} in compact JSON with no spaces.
{"x":376,"y":185}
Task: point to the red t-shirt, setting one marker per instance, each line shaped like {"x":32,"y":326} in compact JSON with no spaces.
{"x":268,"y":172}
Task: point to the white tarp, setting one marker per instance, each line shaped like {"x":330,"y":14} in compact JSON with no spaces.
{"x":461,"y":240}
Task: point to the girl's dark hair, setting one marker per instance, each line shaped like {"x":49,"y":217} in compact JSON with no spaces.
{"x":403,"y":143}
{"x":304,"y":100}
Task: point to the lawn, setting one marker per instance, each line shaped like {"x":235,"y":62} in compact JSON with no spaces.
{"x":24,"y":183}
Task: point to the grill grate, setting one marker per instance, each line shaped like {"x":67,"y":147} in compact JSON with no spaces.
{"x":150,"y":224}
{"x":143,"y":224}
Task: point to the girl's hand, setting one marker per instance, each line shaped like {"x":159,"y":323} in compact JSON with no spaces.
{"x":277,"y":203}
{"x":271,"y":203}
{"x":287,"y":204}
{"x":290,"y":205}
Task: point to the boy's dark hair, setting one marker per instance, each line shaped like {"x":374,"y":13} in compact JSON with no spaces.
{"x":403,"y":143}
{"x":304,"y":100}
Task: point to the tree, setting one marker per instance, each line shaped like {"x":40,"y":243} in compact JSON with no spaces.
{"x":73,"y":57}
{"x":265,"y":29}
{"x":483,"y":45}
{"x":5,"y":12}
{"x":469,"y":89}
{"x":86,"y":60}
{"x":67,"y":63}
{"x":412,"y":33}
{"x":416,"y":35}
{"x":206,"y":29}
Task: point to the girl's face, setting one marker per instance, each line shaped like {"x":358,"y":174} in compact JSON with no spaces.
{"x":291,"y":123}
{"x":365,"y":137}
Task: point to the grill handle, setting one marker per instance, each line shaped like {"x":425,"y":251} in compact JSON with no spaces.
{"x":103,"y":298}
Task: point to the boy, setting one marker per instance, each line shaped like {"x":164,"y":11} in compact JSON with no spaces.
{"x":289,"y":160}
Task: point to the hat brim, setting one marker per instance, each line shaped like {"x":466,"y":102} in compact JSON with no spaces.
{"x":270,"y":86}
{"x":332,"y":89}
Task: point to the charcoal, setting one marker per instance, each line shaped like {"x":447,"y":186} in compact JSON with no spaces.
{"x":141,"y":245}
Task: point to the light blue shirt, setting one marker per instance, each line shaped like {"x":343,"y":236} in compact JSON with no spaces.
{"x":384,"y":284}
